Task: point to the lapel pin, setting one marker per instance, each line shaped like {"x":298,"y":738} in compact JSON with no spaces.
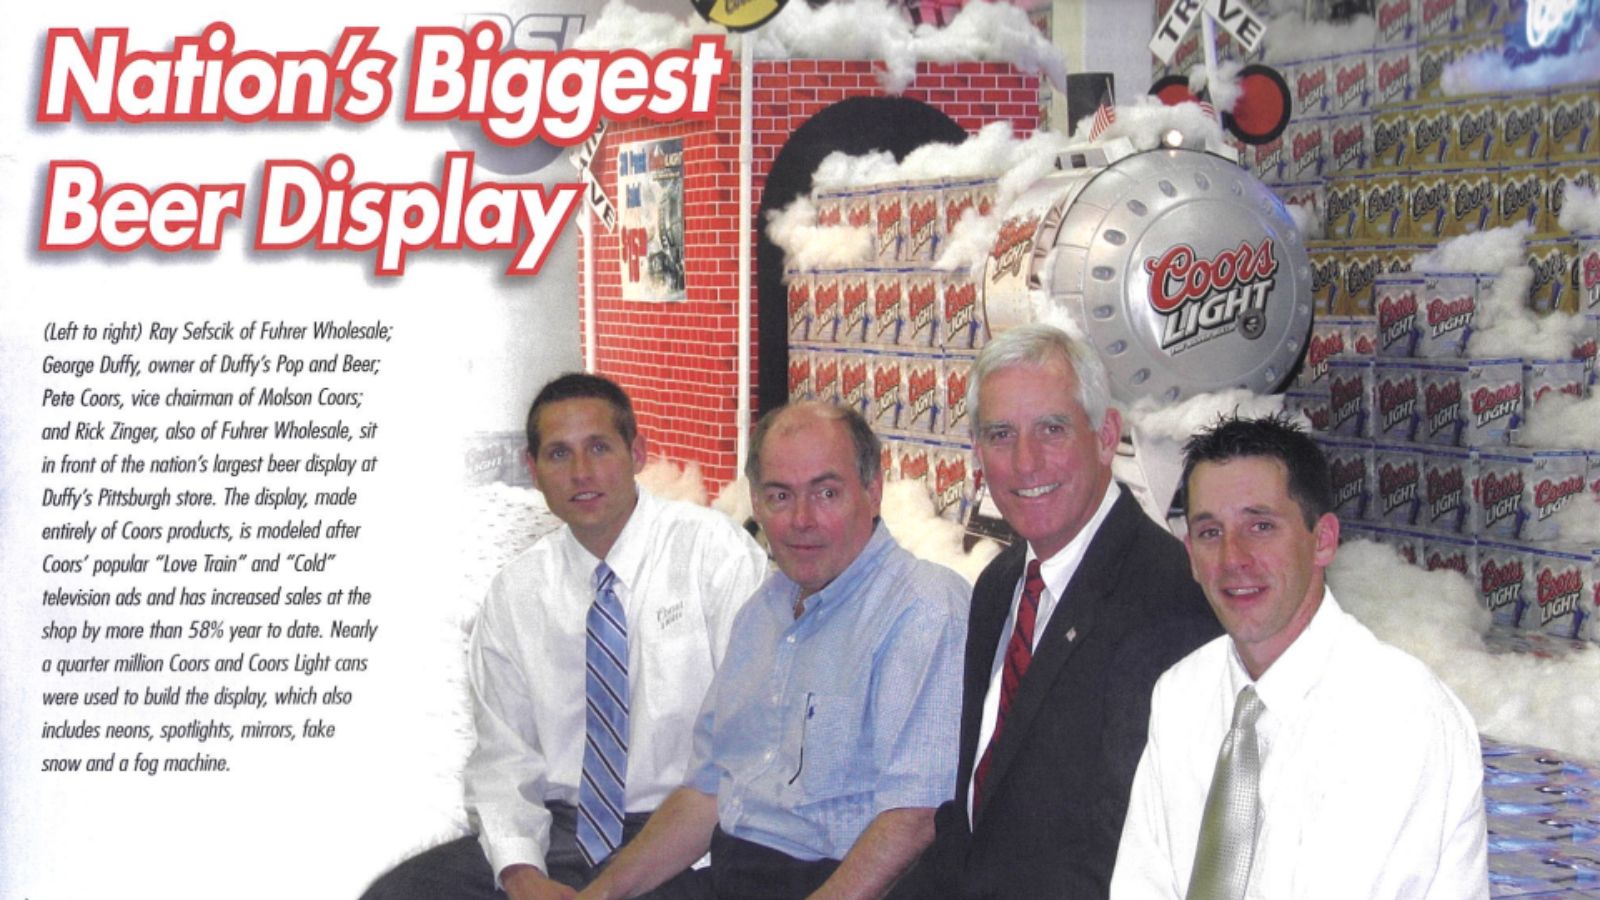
{"x":1072,"y":635}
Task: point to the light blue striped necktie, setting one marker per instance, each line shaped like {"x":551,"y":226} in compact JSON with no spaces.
{"x":605,"y":749}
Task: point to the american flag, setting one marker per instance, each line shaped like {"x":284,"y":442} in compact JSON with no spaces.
{"x":1104,"y":117}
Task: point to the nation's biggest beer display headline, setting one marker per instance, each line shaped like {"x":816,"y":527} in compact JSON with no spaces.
{"x":469,"y":75}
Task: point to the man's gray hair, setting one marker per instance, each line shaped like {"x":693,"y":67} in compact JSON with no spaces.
{"x":868,"y":449}
{"x":1036,"y":345}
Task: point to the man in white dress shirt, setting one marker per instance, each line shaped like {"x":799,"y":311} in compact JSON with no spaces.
{"x":677,"y":572}
{"x":1350,"y":769}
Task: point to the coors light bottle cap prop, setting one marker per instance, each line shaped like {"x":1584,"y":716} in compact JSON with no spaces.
{"x":1184,"y":271}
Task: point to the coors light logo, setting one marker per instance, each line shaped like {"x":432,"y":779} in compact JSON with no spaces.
{"x":1310,"y":88}
{"x":825,"y":377}
{"x":858,"y":210}
{"x":1392,"y":77}
{"x":1397,"y":315}
{"x":921,"y":216}
{"x":1451,"y":560}
{"x":826,"y":297}
{"x":1500,"y":494}
{"x":920,"y":297}
{"x":1437,"y":17}
{"x":1489,"y":404}
{"x":855,"y":305}
{"x":960,"y":304}
{"x":799,"y":305}
{"x":889,"y":216}
{"x":1305,"y":152}
{"x":1012,"y":246}
{"x":885,"y":392}
{"x":1452,"y":314}
{"x":1500,"y":582}
{"x":1549,"y":495}
{"x":1441,"y":406}
{"x":1205,"y":298}
{"x":1445,"y":488}
{"x":1349,"y":477}
{"x":921,"y":384}
{"x":1397,"y":484}
{"x":799,"y":379}
{"x":886,"y":310}
{"x":1558,"y":593}
{"x":914,"y":465}
{"x":949,"y":477}
{"x":955,"y":392}
{"x":1323,"y":348}
{"x":1347,"y":145}
{"x":1344,"y":399}
{"x":853,"y":382}
{"x":1350,"y":84}
{"x":1393,"y":17}
{"x":1397,"y":401}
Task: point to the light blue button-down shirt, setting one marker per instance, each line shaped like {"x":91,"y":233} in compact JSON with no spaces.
{"x":814,"y":726}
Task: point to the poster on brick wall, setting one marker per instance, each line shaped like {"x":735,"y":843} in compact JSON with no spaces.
{"x":650,"y":189}
{"x":265,"y":270}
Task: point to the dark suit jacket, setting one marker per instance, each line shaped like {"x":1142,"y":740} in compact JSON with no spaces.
{"x":1057,"y":788}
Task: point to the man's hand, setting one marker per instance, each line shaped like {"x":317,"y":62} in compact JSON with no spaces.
{"x":525,"y":882}
{"x":677,"y":834}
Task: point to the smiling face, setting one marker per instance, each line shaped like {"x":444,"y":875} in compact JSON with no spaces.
{"x":1045,"y":463}
{"x":810,"y":501}
{"x":1250,"y":549}
{"x":585,"y":469}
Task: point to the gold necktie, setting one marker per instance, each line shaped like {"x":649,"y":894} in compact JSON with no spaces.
{"x":1228,"y":827}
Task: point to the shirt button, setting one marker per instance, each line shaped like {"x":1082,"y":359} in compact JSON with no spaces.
{"x":767,"y":757}
{"x":791,"y":638}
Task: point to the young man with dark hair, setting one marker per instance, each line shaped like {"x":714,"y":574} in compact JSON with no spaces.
{"x":1297,"y":756}
{"x":588,"y":662}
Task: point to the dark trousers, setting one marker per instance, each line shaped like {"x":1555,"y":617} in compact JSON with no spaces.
{"x":743,"y":870}
{"x":458,"y":870}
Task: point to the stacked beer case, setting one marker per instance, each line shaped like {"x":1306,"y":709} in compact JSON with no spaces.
{"x":896,"y":339}
{"x":1423,"y":439}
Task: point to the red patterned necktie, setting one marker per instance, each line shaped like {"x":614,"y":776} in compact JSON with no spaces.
{"x":1019,"y":652}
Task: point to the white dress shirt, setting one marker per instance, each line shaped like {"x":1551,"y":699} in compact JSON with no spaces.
{"x":1371,"y":774}
{"x":1057,"y":572}
{"x":683,"y":571}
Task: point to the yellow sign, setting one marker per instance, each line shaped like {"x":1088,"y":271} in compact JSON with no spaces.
{"x":738,"y":15}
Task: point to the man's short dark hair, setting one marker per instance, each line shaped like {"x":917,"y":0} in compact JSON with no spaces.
{"x":868,"y":449}
{"x":1276,"y":437}
{"x":580,"y":385}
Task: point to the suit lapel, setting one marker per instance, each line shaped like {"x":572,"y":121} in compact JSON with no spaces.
{"x":1070,"y":627}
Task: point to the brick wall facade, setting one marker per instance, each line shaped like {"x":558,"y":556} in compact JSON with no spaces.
{"x":679,"y":361}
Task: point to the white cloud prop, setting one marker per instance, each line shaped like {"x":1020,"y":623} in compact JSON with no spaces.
{"x":852,"y":29}
{"x":1435,"y":616}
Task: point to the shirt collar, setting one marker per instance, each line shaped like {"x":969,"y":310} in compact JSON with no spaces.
{"x":845,"y":585}
{"x":1290,"y":679}
{"x":628,"y":551}
{"x":1058,"y":570}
